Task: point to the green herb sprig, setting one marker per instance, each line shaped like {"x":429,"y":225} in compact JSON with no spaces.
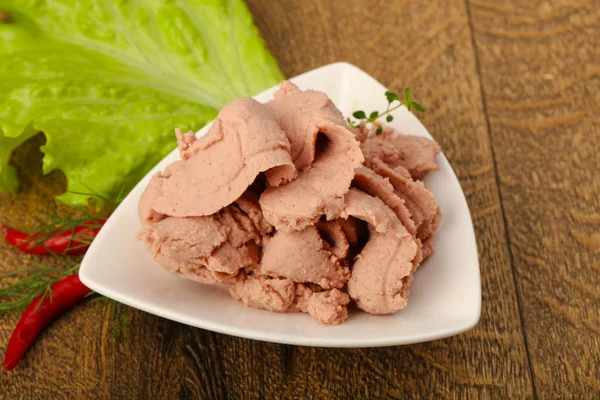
{"x":119,"y":317}
{"x":394,"y":102}
{"x":20,"y":287}
{"x":35,"y":280}
{"x":55,"y":225}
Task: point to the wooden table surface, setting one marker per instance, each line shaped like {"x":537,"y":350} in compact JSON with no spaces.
{"x":512,"y":90}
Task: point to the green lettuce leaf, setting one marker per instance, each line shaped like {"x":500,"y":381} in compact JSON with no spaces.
{"x":107,"y":81}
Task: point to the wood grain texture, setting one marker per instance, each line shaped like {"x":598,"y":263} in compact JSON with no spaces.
{"x":550,"y":211}
{"x":545,"y":129}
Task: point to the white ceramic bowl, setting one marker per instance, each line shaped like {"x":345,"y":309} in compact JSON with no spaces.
{"x":445,"y":297}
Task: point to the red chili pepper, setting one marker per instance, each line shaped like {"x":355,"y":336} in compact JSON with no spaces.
{"x":58,"y":242}
{"x":65,"y":294}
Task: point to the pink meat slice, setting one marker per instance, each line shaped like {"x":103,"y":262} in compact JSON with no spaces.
{"x":421,"y":203}
{"x":334,"y":237}
{"x":178,"y":244}
{"x":327,"y":307}
{"x":194,"y":271}
{"x":184,"y":238}
{"x":146,"y":213}
{"x":427,"y":247}
{"x":299,"y":114}
{"x":370,"y":209}
{"x":302,"y":257}
{"x":185,"y":143}
{"x":283,"y":295}
{"x":286,"y":88}
{"x":381,"y":272}
{"x":248,"y":202}
{"x":415,"y":154}
{"x":240,"y":228}
{"x":354,"y":230}
{"x":241,"y":248}
{"x":274,"y":294}
{"x":365,"y":131}
{"x":245,"y":224}
{"x":229,"y":259}
{"x":375,"y":185}
{"x":244,"y":141}
{"x":222,"y":243}
{"x":326,"y":164}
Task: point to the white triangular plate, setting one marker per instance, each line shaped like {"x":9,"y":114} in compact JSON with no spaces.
{"x":445,"y":297}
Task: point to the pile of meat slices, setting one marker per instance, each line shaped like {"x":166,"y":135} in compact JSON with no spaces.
{"x":294,"y":210}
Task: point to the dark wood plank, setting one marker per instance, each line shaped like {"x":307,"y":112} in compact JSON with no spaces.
{"x":540,"y":64}
{"x":425,"y":45}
